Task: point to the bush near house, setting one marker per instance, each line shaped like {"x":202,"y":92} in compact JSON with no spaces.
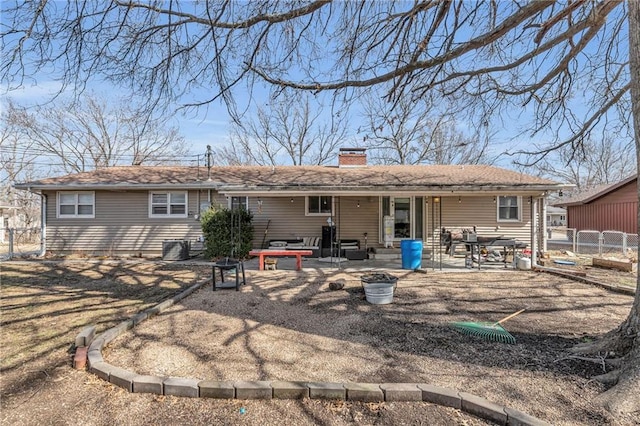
{"x":227,"y":233}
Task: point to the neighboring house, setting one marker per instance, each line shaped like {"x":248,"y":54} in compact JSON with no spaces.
{"x":134,"y":209}
{"x":605,"y":208}
{"x":556,"y":216}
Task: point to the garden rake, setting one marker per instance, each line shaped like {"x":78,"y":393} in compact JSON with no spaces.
{"x":488,"y":330}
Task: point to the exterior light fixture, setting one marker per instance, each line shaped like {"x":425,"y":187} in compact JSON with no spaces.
{"x":291,"y":199}
{"x":459,"y":199}
{"x":358,"y":204}
{"x":436,"y":199}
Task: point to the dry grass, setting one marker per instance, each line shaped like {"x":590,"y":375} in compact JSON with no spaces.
{"x":288,"y":325}
{"x":44,"y":305}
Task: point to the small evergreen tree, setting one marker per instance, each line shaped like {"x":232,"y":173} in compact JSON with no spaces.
{"x":227,"y":233}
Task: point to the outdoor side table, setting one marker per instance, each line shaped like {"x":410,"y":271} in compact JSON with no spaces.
{"x":227,"y":265}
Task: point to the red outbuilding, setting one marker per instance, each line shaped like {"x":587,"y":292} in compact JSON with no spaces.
{"x":605,"y":208}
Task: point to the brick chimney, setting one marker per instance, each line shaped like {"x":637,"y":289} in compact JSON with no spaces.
{"x":352,"y":157}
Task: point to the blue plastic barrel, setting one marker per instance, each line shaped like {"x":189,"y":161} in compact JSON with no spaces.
{"x":411,"y":254}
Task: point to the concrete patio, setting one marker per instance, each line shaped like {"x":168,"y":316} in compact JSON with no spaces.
{"x":437,"y":263}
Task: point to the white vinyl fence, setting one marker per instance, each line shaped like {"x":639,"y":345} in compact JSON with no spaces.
{"x":612,"y":243}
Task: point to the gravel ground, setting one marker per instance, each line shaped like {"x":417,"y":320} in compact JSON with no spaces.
{"x":287,"y":325}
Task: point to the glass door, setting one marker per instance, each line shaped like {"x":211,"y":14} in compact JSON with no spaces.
{"x":402,"y":217}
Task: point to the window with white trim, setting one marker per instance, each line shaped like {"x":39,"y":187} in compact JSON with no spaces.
{"x":319,"y":205}
{"x":79,"y":204}
{"x":509,"y":208}
{"x":239,"y":203}
{"x":168,"y":204}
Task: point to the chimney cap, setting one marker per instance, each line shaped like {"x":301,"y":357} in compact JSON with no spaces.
{"x":353,"y":149}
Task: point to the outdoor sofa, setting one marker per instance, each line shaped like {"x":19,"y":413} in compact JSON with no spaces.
{"x":305,"y":243}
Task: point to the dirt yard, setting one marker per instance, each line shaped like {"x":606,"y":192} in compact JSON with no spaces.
{"x":289,"y":326}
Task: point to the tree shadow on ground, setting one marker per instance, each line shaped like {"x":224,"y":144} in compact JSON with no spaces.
{"x":46,"y":304}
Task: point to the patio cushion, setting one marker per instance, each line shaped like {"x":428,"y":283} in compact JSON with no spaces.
{"x":349,"y":244}
{"x":306,"y":243}
{"x":311,"y":241}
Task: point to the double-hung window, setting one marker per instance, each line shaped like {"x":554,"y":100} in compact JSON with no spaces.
{"x":168,"y":204}
{"x":76,"y":204}
{"x":509,"y":208}
{"x":319,"y":205}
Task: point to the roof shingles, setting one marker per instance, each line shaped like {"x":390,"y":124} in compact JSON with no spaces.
{"x":254,"y":177}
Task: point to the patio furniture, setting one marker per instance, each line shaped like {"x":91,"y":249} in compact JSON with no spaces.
{"x":273,"y":253}
{"x":509,"y":246}
{"x":351,"y":250}
{"x":304,"y":243}
{"x":347,"y":248}
{"x":227,"y":265}
{"x":451,"y":237}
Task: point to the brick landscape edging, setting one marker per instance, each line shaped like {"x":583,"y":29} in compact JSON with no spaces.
{"x":367,"y":392}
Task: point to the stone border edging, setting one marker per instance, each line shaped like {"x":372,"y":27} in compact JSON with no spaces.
{"x":565,"y":274}
{"x":364,"y":392}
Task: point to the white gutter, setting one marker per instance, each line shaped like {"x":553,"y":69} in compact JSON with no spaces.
{"x":379,"y":192}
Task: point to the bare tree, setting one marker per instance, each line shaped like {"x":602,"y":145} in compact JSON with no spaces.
{"x":571,"y":68}
{"x":417,"y":132}
{"x":292,"y":129}
{"x":85,"y":135}
{"x":597,"y":162}
{"x":18,"y":162}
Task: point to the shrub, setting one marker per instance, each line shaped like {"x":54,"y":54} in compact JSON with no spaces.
{"x":227,"y":233}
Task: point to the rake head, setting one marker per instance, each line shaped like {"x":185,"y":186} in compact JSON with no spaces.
{"x":487,"y":331}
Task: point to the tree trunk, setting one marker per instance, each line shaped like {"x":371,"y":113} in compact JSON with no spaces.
{"x":623,"y":396}
{"x":625,"y":340}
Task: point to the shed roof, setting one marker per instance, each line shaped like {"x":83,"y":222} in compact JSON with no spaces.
{"x":594,"y":193}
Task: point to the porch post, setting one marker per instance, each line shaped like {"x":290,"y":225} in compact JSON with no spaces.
{"x":543,"y":228}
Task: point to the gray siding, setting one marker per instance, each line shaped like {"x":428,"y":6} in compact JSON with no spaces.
{"x":481,"y":212}
{"x":121,"y":224}
{"x":354,"y":221}
{"x":287,"y":219}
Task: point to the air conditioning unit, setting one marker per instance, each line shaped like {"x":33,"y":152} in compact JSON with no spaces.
{"x":175,"y":249}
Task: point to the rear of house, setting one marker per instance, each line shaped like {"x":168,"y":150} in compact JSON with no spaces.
{"x":135,"y":209}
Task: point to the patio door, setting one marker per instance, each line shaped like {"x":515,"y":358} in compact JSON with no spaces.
{"x":407,"y":214}
{"x":401,"y":217}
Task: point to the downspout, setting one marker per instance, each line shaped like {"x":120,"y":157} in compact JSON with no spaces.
{"x":43,"y":225}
